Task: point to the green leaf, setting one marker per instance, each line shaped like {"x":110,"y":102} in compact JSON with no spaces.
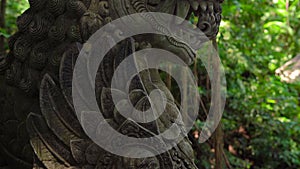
{"x":4,"y":33}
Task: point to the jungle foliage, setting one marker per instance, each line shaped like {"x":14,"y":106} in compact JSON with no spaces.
{"x":262,"y":115}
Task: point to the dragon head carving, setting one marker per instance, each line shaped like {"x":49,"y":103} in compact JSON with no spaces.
{"x":208,"y":13}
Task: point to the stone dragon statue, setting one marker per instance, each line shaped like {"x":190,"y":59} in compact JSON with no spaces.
{"x":38,"y":126}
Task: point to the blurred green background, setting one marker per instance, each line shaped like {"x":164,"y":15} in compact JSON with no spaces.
{"x":262,"y":116}
{"x":261,"y":121}
{"x":9,"y":11}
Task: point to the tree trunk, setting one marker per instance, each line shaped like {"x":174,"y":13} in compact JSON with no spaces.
{"x":2,"y":25}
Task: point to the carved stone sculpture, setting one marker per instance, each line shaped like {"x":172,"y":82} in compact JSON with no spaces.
{"x":290,"y":71}
{"x":38,"y":125}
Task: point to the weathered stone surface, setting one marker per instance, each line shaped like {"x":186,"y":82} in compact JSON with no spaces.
{"x":36,"y":94}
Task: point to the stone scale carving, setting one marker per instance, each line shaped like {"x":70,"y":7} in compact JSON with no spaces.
{"x":38,"y":125}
